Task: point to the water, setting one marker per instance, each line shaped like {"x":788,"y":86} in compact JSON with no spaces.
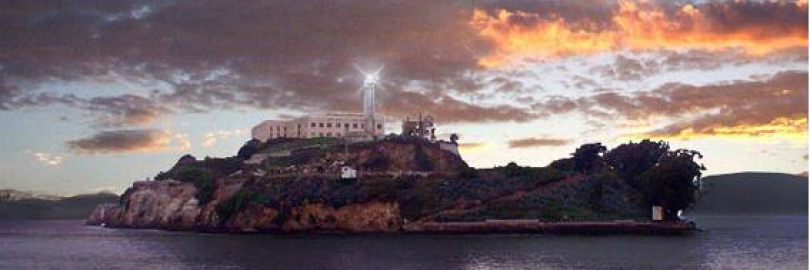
{"x":727,"y":243}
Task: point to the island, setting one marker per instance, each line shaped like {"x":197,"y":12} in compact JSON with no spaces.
{"x":412,"y":184}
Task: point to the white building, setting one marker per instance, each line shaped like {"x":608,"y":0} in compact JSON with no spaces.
{"x":334,"y":125}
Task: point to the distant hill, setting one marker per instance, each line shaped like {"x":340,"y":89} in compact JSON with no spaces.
{"x":753,"y":193}
{"x":26,"y":205}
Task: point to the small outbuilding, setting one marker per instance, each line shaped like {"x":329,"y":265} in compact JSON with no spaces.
{"x":347,"y":172}
{"x":657,"y":213}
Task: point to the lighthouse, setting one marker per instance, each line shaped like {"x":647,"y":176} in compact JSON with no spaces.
{"x":369,"y":89}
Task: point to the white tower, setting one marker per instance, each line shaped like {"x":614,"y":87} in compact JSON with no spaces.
{"x":369,"y":87}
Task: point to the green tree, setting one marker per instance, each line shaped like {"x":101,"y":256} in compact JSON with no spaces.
{"x":631,"y":160}
{"x":203,"y":180}
{"x":588,"y":157}
{"x":673,"y":182}
{"x":251,"y":147}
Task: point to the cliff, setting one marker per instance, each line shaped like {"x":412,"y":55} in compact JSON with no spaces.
{"x":403,"y":184}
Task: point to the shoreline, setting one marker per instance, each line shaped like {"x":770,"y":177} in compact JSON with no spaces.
{"x":680,"y":227}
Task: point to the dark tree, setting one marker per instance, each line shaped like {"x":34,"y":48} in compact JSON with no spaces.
{"x":631,"y":160}
{"x":673,"y":182}
{"x":565,"y":164}
{"x":453,"y":138}
{"x":588,"y":157}
{"x":251,"y":147}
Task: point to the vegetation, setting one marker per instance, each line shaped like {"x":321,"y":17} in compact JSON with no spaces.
{"x":588,"y":157}
{"x":238,"y":203}
{"x":251,"y":147}
{"x":669,"y":178}
{"x":673,"y":182}
{"x":203,"y":180}
{"x":284,"y":144}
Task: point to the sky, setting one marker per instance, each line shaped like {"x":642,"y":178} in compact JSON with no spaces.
{"x":97,"y":94}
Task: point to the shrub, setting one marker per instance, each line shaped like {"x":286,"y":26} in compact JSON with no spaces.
{"x":565,"y":165}
{"x":251,"y":147}
{"x":469,"y":173}
{"x":203,"y":180}
{"x":238,"y":203}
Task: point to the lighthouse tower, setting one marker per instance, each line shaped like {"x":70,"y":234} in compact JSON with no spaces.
{"x":369,"y":88}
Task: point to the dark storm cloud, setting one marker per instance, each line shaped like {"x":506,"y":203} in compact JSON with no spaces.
{"x":293,"y":55}
{"x":537,"y":142}
{"x":257,"y":54}
{"x":117,"y":141}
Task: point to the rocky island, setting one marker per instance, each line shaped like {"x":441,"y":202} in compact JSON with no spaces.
{"x":412,"y":185}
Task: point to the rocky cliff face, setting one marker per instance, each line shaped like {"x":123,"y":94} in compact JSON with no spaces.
{"x":171,"y":205}
{"x":165,"y":205}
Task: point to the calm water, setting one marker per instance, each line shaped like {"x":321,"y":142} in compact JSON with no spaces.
{"x":727,"y":243}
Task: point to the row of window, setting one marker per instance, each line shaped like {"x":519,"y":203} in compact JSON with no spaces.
{"x":345,"y":125}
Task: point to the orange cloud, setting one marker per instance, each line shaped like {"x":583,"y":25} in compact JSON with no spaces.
{"x":130,"y":140}
{"x":537,"y":142}
{"x":472,"y":147}
{"x":645,"y":26}
{"x":794,"y":129}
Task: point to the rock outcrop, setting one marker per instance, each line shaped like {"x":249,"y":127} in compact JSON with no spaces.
{"x":171,"y":205}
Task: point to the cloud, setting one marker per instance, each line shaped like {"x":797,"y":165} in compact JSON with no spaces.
{"x":643,"y":25}
{"x":257,"y":55}
{"x":537,"y":142}
{"x":774,"y":106}
{"x":106,"y":111}
{"x":211,"y":138}
{"x":472,"y":146}
{"x":292,"y":57}
{"x":130,"y":140}
{"x":447,"y":109}
{"x":763,"y":107}
{"x":124,"y":110}
{"x":48,"y":158}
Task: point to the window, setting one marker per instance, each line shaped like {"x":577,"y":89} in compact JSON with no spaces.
{"x":354,"y":125}
{"x":320,"y":134}
{"x":362,"y":125}
{"x":328,"y":125}
{"x":379,"y":126}
{"x":337,"y":134}
{"x":329,"y":134}
{"x":347,"y":125}
{"x":320,"y":124}
{"x":312,"y":125}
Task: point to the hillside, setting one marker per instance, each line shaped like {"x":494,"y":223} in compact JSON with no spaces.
{"x":32,"y":206}
{"x":753,"y":193}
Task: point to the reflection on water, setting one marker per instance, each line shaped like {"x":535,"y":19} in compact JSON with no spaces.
{"x":728,"y":242}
